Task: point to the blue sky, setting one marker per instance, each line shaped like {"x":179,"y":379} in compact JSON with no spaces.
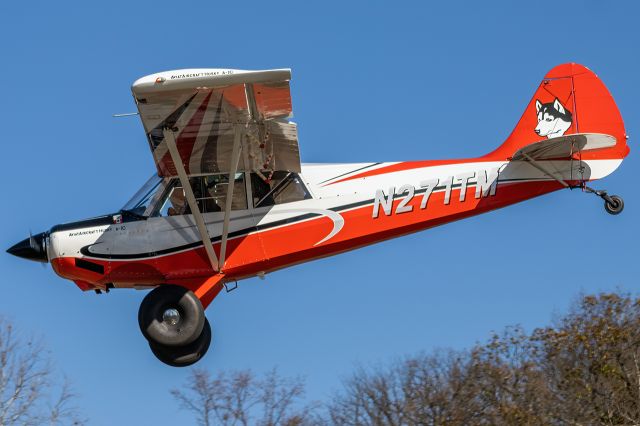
{"x":372,"y":81}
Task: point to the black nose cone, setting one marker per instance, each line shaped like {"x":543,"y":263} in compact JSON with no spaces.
{"x":32,"y":248}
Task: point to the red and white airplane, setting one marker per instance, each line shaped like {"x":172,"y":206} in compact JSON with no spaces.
{"x":231,"y":200}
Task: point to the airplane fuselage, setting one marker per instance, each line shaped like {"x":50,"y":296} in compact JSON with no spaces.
{"x":352,"y":205}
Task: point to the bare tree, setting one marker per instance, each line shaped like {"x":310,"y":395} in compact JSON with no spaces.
{"x":240,"y":398}
{"x":28,"y":382}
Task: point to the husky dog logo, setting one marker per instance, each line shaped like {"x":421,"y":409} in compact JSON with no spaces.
{"x":553,"y":119}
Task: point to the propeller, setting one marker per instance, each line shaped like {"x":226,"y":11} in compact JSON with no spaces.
{"x":33,"y":243}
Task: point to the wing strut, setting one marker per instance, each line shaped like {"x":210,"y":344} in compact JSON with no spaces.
{"x":235,"y":157}
{"x":191,"y":199}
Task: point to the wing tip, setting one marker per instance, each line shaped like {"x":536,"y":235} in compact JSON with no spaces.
{"x":213,"y":77}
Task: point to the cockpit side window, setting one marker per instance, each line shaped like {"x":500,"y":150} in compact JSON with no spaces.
{"x":210,"y":192}
{"x":279,"y":187}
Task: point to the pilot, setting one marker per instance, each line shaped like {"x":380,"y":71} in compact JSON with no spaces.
{"x":177,"y":202}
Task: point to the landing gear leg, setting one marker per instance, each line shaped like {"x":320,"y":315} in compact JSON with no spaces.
{"x":613,"y":204}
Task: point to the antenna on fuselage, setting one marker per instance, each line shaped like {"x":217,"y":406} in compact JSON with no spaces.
{"x":126,"y":114}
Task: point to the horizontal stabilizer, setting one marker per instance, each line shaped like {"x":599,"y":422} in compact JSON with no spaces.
{"x":564,"y":147}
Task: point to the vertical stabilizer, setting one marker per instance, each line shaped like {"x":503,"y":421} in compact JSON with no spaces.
{"x":570,"y":99}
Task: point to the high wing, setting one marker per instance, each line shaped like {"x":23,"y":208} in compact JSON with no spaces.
{"x":561,"y":148}
{"x":202,"y":121}
{"x":204,"y":107}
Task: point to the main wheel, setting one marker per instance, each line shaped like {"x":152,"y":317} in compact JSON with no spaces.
{"x":183,"y":356}
{"x":171,"y":315}
{"x":616,"y":206}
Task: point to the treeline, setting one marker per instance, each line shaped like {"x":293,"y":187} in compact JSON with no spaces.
{"x":582,"y":370}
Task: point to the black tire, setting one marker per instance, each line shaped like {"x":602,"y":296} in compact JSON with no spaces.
{"x":183,"y":356}
{"x":616,"y":207}
{"x":159,"y":300}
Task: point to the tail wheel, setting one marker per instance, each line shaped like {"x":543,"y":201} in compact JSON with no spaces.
{"x":171,"y":315}
{"x":615,"y":206}
{"x":183,"y":356}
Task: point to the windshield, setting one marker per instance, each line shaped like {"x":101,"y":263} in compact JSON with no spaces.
{"x":143,"y":201}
